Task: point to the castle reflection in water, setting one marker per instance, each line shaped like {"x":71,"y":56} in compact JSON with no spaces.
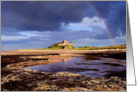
{"x":68,"y":59}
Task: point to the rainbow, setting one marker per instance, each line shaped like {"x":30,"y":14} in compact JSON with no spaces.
{"x":98,"y":14}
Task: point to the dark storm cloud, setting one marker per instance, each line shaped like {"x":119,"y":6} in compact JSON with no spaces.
{"x":114,"y":13}
{"x":48,"y":16}
{"x":41,"y":15}
{"x":9,"y":31}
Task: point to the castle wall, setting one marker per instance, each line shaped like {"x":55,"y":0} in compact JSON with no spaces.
{"x":65,"y":42}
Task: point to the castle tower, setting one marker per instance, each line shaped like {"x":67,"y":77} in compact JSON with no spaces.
{"x":71,"y":43}
{"x":65,"y":42}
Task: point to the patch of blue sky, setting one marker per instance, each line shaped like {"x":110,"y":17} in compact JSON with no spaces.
{"x":28,"y":33}
{"x":78,"y":28}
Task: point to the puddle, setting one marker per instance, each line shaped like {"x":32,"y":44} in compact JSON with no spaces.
{"x":96,"y":67}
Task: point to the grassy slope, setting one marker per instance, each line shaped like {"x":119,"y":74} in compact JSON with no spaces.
{"x":81,"y":48}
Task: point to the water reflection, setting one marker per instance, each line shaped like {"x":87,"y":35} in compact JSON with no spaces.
{"x":95,"y":68}
{"x":68,"y":59}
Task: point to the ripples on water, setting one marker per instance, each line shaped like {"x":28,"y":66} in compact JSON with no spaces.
{"x":92,"y":68}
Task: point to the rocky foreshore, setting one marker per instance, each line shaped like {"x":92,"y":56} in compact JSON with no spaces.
{"x":33,"y":80}
{"x":17,"y":78}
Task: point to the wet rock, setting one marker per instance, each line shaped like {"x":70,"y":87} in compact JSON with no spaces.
{"x":95,"y":81}
{"x":3,"y":89}
{"x":76,"y":89}
{"x":61,"y":81}
{"x":19,"y":78}
{"x":27,"y":69}
{"x":66,"y":74}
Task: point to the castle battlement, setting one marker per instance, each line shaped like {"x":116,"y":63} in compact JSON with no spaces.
{"x":63,"y":43}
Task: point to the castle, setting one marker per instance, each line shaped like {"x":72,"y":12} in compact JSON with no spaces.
{"x":64,"y":43}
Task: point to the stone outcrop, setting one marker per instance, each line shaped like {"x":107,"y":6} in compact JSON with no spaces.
{"x":63,"y":43}
{"x":15,"y":77}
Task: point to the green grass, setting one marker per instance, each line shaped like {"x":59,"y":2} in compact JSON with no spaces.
{"x":112,"y":47}
{"x":105,"y":47}
{"x":81,"y":48}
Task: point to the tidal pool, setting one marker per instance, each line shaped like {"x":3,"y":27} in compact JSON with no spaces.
{"x":93,"y":68}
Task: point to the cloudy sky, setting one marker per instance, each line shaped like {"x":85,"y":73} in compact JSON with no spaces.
{"x":38,"y":24}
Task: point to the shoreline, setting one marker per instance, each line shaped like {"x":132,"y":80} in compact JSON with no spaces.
{"x":25,"y":79}
{"x":28,"y":52}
